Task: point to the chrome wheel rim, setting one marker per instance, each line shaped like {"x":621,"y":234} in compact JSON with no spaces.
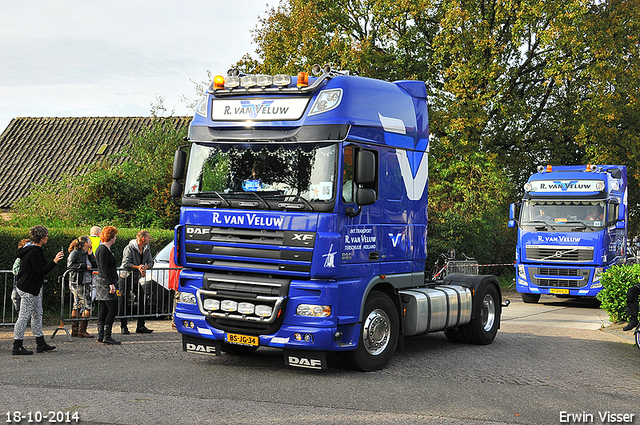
{"x":488,"y":313}
{"x":376,"y":332}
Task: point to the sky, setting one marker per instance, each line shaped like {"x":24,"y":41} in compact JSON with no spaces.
{"x":81,"y":58}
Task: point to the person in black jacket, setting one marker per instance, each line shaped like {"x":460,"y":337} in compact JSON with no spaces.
{"x":33,"y":268}
{"x":80,"y":262}
{"x":106,"y":285}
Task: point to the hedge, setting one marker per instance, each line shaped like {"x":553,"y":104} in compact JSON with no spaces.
{"x":613,"y":295}
{"x":10,"y":236}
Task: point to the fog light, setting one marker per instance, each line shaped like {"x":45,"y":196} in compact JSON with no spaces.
{"x":246,"y":308}
{"x":263,"y":310}
{"x":188,"y":324}
{"x":297,"y":336}
{"x":228,"y":305}
{"x":210,"y":304}
{"x":308,"y":338}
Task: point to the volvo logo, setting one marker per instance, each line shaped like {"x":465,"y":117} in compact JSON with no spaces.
{"x":558,"y":254}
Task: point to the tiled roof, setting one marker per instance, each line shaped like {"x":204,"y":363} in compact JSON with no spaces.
{"x":31,"y":148}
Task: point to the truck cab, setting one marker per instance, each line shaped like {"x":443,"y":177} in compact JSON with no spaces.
{"x":572,"y":226}
{"x":303,"y":223}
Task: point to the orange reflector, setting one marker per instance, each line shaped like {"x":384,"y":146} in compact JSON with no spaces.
{"x":218,"y":82}
{"x":549,"y":168}
{"x":303,"y":79}
{"x":588,"y":167}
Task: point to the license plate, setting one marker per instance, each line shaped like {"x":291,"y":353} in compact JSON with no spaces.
{"x":559,"y":291}
{"x":241,"y":339}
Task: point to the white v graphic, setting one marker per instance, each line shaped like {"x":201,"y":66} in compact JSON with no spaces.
{"x":415,"y":185}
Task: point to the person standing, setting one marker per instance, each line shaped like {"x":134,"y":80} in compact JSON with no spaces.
{"x":136,"y":257}
{"x":80,"y":261}
{"x":106,"y":285}
{"x":33,"y":268}
{"x":94,"y":235}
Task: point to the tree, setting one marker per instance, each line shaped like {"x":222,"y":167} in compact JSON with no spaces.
{"x":512,"y":83}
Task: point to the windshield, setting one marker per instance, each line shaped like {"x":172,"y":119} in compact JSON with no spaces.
{"x":551,"y":214}
{"x":263,"y":172}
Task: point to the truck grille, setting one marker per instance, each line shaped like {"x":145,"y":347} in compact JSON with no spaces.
{"x":560,"y":253}
{"x":564,"y":278}
{"x":262,"y":251}
{"x":224,"y":297}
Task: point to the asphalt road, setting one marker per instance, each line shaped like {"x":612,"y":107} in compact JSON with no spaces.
{"x":553,"y":357}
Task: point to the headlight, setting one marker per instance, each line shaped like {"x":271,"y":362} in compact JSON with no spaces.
{"x":597,"y":274}
{"x":187,"y":298}
{"x":246,"y":308}
{"x":313,"y":310}
{"x":600,"y":186}
{"x":521,"y":272}
{"x":201,"y":108}
{"x":326,"y":101}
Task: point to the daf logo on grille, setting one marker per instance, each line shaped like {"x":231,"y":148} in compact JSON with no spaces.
{"x":302,"y":237}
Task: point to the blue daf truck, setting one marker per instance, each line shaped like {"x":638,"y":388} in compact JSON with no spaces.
{"x":303,"y":223}
{"x":572,"y":227}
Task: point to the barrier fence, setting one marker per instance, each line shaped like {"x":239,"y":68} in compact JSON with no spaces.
{"x":148,"y":297}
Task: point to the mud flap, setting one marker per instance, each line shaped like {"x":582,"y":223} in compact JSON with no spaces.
{"x":306,"y":359}
{"x":200,"y":346}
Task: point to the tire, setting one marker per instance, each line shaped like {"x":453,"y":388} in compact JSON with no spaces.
{"x":379,"y":333}
{"x":483,"y":328}
{"x":530,"y":298}
{"x":237,"y":350}
{"x":636,"y":335}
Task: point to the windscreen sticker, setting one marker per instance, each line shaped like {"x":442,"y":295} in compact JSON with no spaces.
{"x":322,"y":191}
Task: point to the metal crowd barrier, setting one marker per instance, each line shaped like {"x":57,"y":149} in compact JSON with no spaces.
{"x":9,"y":312}
{"x":147,"y":298}
{"x":464,"y":267}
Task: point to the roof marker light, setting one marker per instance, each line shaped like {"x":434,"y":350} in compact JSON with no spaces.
{"x":248,"y":81}
{"x":303,"y":79}
{"x":281,"y":80}
{"x":218,"y":82}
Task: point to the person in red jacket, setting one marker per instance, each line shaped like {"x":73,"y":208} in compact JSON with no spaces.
{"x":33,"y":268}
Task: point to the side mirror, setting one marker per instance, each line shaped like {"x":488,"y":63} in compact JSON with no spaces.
{"x":365,"y":196}
{"x":511,"y":223}
{"x":512,"y":211}
{"x":366,"y":167}
{"x":176,"y":189}
{"x":179,"y":164}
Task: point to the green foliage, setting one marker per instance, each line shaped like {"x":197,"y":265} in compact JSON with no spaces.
{"x":62,"y":237}
{"x":517,"y":83}
{"x":130,"y":193}
{"x":616,"y":281}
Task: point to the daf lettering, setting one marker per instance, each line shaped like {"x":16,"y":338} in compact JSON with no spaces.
{"x":304,"y":362}
{"x":200,"y":348}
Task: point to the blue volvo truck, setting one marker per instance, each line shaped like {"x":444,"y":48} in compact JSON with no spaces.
{"x":303,"y":223}
{"x":572,"y":227}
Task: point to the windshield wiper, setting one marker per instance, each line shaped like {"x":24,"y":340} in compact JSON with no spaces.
{"x":296,"y":198}
{"x":213,"y":192}
{"x":541,"y":227}
{"x":583,"y":225}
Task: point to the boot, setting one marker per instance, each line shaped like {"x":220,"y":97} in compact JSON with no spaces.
{"x":100,"y":331}
{"x":42,"y":345}
{"x":107,"y":336}
{"x":18,"y":349}
{"x":82,"y":329}
{"x":631,"y":325}
{"x":74,"y":325}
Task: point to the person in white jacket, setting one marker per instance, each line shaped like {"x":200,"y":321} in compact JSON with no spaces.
{"x":137,"y":259}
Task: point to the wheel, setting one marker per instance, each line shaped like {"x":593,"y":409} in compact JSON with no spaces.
{"x":378,"y":335}
{"x":636,"y":335}
{"x":238,"y":350}
{"x":482,"y":329}
{"x":530,"y":298}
